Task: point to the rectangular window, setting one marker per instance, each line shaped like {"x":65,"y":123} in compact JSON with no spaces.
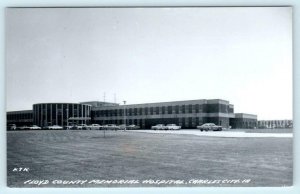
{"x":163,"y":110}
{"x":176,"y":109}
{"x":130,"y":112}
{"x":190,"y":108}
{"x":197,"y":108}
{"x":151,"y":110}
{"x":183,"y":108}
{"x":169,"y":109}
{"x":183,"y":122}
{"x":80,"y":110}
{"x":135,"y":111}
{"x":157,"y":110}
{"x":53,"y":112}
{"x":65,"y":109}
{"x":141,"y":111}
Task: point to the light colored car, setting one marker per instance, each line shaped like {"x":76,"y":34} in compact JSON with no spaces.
{"x":54,"y":127}
{"x":111,"y":127}
{"x":210,"y":127}
{"x":159,"y":127}
{"x":81,"y":127}
{"x":94,"y":127}
{"x":172,"y":127}
{"x":11,"y":127}
{"x":34,"y":127}
{"x":123,"y":127}
{"x":69,"y":127}
{"x":133,"y":127}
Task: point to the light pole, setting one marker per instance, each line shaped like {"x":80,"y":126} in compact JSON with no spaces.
{"x":124,"y":115}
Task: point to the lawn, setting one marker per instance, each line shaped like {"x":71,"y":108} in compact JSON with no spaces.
{"x":195,"y":160}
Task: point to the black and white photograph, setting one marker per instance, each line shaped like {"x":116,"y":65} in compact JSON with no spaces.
{"x":149,"y":97}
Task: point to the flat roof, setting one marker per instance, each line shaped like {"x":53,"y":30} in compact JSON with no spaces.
{"x":245,"y":115}
{"x":183,"y":102}
{"x":19,"y":111}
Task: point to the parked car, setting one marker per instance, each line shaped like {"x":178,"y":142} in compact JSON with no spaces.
{"x":11,"y":127}
{"x":24,"y":127}
{"x":210,"y":127}
{"x":158,"y":127}
{"x":34,"y":127}
{"x":123,"y":127}
{"x":132,"y":127}
{"x":111,"y":127}
{"x":81,"y":127}
{"x":53,"y":127}
{"x":69,"y":127}
{"x":172,"y":127}
{"x":94,"y":127}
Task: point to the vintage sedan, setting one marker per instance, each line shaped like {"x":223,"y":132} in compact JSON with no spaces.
{"x":11,"y":127}
{"x":172,"y":127}
{"x":24,"y":127}
{"x":132,"y":127}
{"x":34,"y":127}
{"x":210,"y":127}
{"x":110,"y":127}
{"x":159,"y":127}
{"x":81,"y":127}
{"x":54,"y":127}
{"x":93,"y":127}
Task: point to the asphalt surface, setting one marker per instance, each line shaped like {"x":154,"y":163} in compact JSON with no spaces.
{"x":217,"y":133}
{"x":196,"y":160}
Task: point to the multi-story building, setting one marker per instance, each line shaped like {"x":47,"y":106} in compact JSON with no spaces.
{"x":187,"y":114}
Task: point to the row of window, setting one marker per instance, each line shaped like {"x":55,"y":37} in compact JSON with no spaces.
{"x":184,"y":122}
{"x":178,"y":109}
{"x":189,"y":121}
{"x":19,"y":116}
{"x":275,"y":122}
{"x":58,"y":113}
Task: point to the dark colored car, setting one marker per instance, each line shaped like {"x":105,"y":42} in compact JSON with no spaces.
{"x":210,"y":127}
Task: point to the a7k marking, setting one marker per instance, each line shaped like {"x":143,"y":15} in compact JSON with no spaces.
{"x":20,"y":169}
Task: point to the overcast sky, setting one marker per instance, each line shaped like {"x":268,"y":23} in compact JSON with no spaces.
{"x":243,"y":55}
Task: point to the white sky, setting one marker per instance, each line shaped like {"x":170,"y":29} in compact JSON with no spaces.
{"x":243,"y":55}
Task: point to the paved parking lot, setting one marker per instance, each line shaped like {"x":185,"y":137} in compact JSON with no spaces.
{"x":88,"y":155}
{"x":217,"y":133}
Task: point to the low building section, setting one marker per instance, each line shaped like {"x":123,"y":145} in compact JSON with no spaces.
{"x":20,"y":118}
{"x":271,"y":124}
{"x":243,"y":121}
